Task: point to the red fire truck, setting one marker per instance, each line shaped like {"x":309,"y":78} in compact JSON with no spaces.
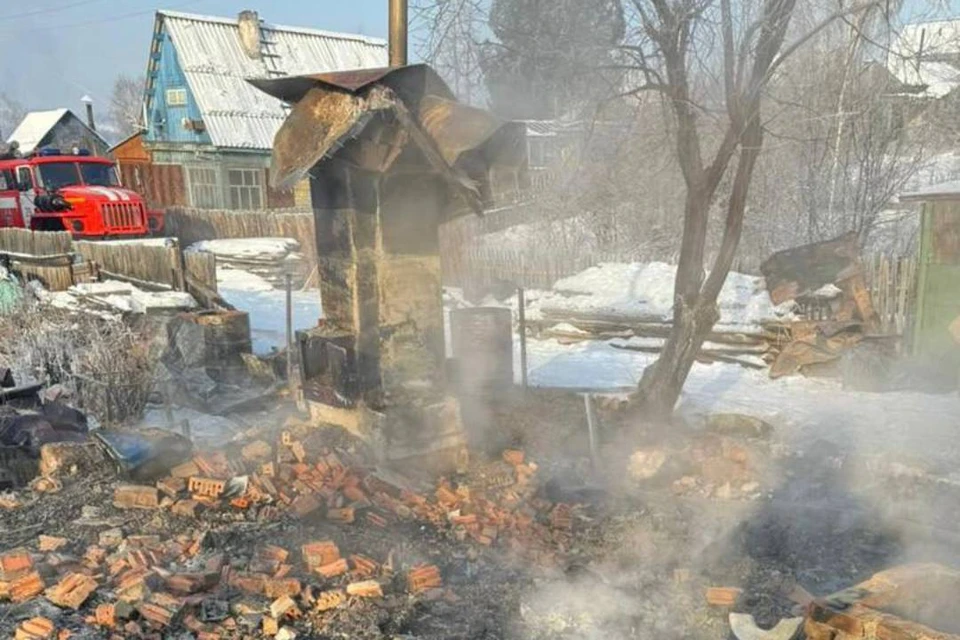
{"x":55,"y":191}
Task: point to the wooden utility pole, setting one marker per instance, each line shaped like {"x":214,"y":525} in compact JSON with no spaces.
{"x":398,"y":33}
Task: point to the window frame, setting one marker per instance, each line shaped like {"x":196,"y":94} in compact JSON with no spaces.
{"x":212,"y":194}
{"x":27,"y":168}
{"x":250,"y":193}
{"x":176,"y":91}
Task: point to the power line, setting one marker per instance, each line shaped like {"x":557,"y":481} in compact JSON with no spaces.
{"x":37,"y":12}
{"x":84,"y":23}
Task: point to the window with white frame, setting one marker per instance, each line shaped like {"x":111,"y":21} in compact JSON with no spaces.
{"x":205,"y":191}
{"x":176,"y":97}
{"x":246,"y":188}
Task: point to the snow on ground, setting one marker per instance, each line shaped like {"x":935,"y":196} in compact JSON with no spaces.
{"x":267,"y":307}
{"x":240,"y":280}
{"x":268,"y":249}
{"x":801,"y":409}
{"x":644,"y":292}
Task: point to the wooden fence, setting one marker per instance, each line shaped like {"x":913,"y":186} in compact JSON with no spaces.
{"x":892,"y":280}
{"x":194,"y":225}
{"x":58,"y":261}
{"x":893,"y":287}
{"x":155,"y":264}
{"x":36,"y":244}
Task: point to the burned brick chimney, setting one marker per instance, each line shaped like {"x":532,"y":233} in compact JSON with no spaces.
{"x":391,"y":156}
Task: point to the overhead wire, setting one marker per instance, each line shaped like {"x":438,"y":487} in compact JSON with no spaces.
{"x":38,"y":12}
{"x":106,"y":20}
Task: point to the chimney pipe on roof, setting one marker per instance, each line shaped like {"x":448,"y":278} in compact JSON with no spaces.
{"x":248,"y":23}
{"x":88,"y":101}
{"x":398,"y":33}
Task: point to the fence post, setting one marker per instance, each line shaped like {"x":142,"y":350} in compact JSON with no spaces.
{"x":290,"y":383}
{"x":522,"y":306}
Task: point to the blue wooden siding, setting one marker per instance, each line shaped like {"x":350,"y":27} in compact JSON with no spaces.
{"x":165,"y":122}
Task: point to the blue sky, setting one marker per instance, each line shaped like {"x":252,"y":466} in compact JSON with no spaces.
{"x":54,"y":51}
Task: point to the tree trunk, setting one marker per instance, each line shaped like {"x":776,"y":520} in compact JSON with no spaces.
{"x":662,"y":382}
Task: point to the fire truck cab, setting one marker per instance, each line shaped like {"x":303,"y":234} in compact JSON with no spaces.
{"x":55,"y":191}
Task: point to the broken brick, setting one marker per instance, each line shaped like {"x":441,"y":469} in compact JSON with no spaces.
{"x":304,"y":505}
{"x":185,"y":584}
{"x":110,"y":538}
{"x":161,"y":609}
{"x":423,"y":578}
{"x":286,"y":633}
{"x":319,"y":553}
{"x":35,"y":629}
{"x":376,"y":520}
{"x":723,"y":596}
{"x":268,"y":469}
{"x":185,"y":470}
{"x":26,"y":587}
{"x":106,"y":615}
{"x":50,"y":543}
{"x":284,"y":587}
{"x":284,"y":606}
{"x":334,"y":569}
{"x":248,"y":582}
{"x":257,"y":450}
{"x":365,"y":589}
{"x":363,"y":567}
{"x":270,"y":626}
{"x":172,"y":486}
{"x":72,"y":591}
{"x":130,"y":585}
{"x":344,"y":515}
{"x":562,"y":517}
{"x":355,"y":494}
{"x":446,"y":497}
{"x":186,"y":508}
{"x":208,"y":487}
{"x":212,"y":464}
{"x":131,"y":496}
{"x":513,"y":457}
{"x":15,"y":563}
{"x":328,"y":600}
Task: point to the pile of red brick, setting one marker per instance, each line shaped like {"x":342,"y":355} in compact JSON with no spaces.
{"x":141,"y":586}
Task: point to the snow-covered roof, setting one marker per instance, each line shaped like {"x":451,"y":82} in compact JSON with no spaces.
{"x":942,"y":191}
{"x":37,"y":124}
{"x":550,"y":128}
{"x":235,"y":114}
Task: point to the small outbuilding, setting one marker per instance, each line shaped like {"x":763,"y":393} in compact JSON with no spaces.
{"x":937,"y":318}
{"x":58,"y":128}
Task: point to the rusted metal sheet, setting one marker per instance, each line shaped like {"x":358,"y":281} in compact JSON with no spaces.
{"x":804,"y":269}
{"x":911,"y":602}
{"x":417,"y":79}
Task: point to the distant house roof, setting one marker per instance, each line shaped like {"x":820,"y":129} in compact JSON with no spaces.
{"x":37,"y":124}
{"x":234,"y":113}
{"x":550,"y":128}
{"x":942,"y":191}
{"x":926,"y":55}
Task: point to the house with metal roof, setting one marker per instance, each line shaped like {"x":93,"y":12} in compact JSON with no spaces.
{"x":57,"y":128}
{"x":210,"y":130}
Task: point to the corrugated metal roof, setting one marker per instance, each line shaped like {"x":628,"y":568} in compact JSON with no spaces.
{"x":236,"y":114}
{"x":34,"y":126}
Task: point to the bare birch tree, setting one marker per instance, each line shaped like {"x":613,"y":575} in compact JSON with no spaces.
{"x":126,"y":104}
{"x":714,"y":58}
